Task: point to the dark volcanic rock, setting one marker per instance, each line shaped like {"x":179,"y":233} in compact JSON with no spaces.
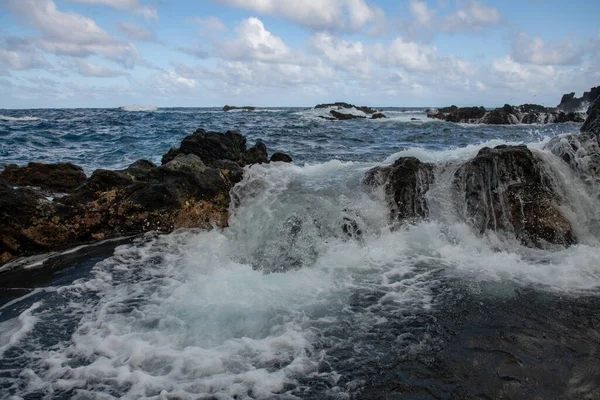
{"x":570,"y":103}
{"x":281,"y":157}
{"x":244,"y":108}
{"x":343,"y":117}
{"x":378,"y":116}
{"x":257,"y":154}
{"x":466,"y":115}
{"x":211,"y":146}
{"x":190,"y":190}
{"x":506,"y":189}
{"x":57,"y":178}
{"x":405,"y":184}
{"x":338,"y":105}
{"x":367,"y":110}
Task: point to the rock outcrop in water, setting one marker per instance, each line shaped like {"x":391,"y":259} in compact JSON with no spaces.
{"x":343,"y":116}
{"x":244,"y":108}
{"x":189,"y":190}
{"x":505,"y":189}
{"x":506,"y":115}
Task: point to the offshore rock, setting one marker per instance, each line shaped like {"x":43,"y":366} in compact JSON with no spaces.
{"x":54,"y":178}
{"x":378,"y":116}
{"x":343,"y":117}
{"x":506,"y":115}
{"x":506,"y":189}
{"x":190,"y":190}
{"x":244,"y":108}
{"x":405,"y":184}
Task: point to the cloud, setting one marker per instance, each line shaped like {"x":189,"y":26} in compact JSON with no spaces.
{"x":71,"y":34}
{"x":343,"y":54}
{"x":87,"y":69}
{"x":196,"y":50}
{"x":148,"y":12}
{"x":411,"y":56}
{"x":475,"y":17}
{"x":21,"y":54}
{"x":134,"y":32}
{"x":208,"y":25}
{"x":350,"y":15}
{"x":254,"y":42}
{"x":535,"y":51}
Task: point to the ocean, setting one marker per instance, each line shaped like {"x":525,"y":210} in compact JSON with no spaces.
{"x":280,"y":305}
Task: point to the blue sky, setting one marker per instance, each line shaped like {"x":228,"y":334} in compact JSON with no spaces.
{"x":108,"y":53}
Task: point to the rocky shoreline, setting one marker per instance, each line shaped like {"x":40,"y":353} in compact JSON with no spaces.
{"x":53,"y":207}
{"x":49,"y":207}
{"x":570,"y":109}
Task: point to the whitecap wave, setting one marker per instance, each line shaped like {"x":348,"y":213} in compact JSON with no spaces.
{"x":18,"y":119}
{"x":138,"y":108}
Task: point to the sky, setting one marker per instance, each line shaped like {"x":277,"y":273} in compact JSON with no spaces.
{"x":286,"y":53}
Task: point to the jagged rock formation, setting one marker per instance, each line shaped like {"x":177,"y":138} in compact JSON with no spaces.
{"x":189,"y":190}
{"x":506,"y":115}
{"x":505,"y":189}
{"x":570,"y":103}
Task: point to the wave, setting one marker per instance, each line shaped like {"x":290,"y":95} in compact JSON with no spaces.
{"x":18,"y":119}
{"x":138,"y":108}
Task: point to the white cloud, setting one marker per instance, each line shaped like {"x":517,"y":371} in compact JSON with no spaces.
{"x":87,"y":69}
{"x":148,"y":12}
{"x":517,"y":75}
{"x":411,"y":56}
{"x":208,"y":25}
{"x":350,"y":15}
{"x":535,"y":51}
{"x":343,"y":54}
{"x":422,"y":14}
{"x":20,"y":54}
{"x":71,"y":34}
{"x":254,"y":42}
{"x":134,"y":32}
{"x":475,"y":17}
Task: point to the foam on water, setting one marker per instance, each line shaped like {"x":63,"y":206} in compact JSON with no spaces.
{"x":307,"y":270}
{"x":138,"y":108}
{"x":18,"y":119}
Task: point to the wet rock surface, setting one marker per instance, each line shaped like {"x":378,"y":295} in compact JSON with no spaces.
{"x":189,"y":190}
{"x":570,"y":103}
{"x":506,"y":115}
{"x":56,"y":178}
{"x":506,"y":189}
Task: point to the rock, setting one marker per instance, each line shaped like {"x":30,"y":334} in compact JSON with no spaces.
{"x":414,"y":119}
{"x":191,"y":189}
{"x":244,"y":108}
{"x":257,"y":154}
{"x":367,"y":110}
{"x":378,"y":116}
{"x":570,"y":103}
{"x":338,"y":105}
{"x":405,"y":184}
{"x":592,"y":123}
{"x":211,"y":146}
{"x":466,"y":115}
{"x":55,"y":178}
{"x":281,"y":157}
{"x":343,"y":117}
{"x":506,"y":189}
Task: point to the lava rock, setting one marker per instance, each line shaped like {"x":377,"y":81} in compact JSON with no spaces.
{"x":570,"y":103}
{"x":506,"y":189}
{"x":257,"y":154}
{"x":56,"y":178}
{"x":211,"y":146}
{"x":343,"y":117}
{"x":244,"y":108}
{"x":281,"y":157}
{"x":405,"y":184}
{"x":378,"y":116}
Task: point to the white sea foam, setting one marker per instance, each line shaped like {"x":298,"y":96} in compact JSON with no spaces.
{"x":138,"y":108}
{"x":13,"y":330}
{"x":18,"y":119}
{"x":253,"y":310}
